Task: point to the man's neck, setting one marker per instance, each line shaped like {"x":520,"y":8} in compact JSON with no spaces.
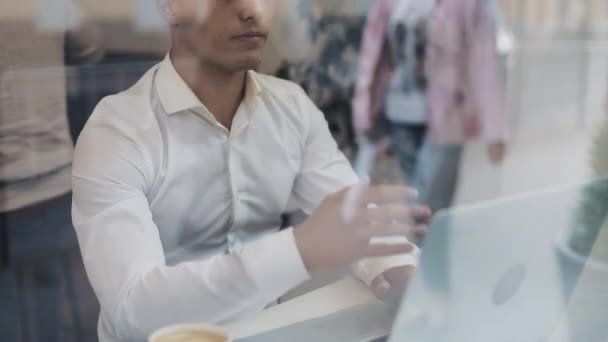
{"x":221,"y":91}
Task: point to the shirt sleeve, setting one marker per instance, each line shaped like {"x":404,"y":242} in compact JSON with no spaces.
{"x":325,"y":170}
{"x":123,"y":253}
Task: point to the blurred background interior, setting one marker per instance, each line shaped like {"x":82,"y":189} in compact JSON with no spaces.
{"x":60,"y":57}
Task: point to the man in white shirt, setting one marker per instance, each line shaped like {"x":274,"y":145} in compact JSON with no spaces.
{"x":180,"y":182}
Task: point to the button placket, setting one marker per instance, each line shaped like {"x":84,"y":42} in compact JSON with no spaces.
{"x":232,"y":236}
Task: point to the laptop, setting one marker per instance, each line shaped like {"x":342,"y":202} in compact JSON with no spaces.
{"x":492,"y":272}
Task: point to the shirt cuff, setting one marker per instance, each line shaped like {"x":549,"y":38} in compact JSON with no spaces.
{"x":368,"y":269}
{"x":274,"y":264}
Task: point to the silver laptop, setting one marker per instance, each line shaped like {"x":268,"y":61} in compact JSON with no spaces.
{"x":493,"y":273}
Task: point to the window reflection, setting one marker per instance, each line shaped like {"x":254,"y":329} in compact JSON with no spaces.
{"x":60,"y":58}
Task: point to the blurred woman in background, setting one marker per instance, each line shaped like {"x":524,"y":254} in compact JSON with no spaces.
{"x":430,"y":68}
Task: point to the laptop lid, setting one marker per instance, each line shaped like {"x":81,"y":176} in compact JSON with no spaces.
{"x":492,"y":272}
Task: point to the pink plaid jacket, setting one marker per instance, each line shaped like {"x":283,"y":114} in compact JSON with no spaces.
{"x":465,"y":96}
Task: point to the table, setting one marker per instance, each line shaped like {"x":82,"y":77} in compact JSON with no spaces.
{"x":332,"y":298}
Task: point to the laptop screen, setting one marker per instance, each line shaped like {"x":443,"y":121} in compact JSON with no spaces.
{"x":515,"y":268}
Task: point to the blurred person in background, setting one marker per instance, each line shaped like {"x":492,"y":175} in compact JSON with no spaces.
{"x":180,"y":182}
{"x":428,"y":72}
{"x":41,"y":274}
{"x":316,"y":44}
{"x":35,"y":144}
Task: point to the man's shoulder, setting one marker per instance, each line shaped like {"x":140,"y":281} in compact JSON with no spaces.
{"x":128,"y":113}
{"x":131,"y":106}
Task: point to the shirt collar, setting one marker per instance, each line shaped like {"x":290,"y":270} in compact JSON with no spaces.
{"x":175,"y":95}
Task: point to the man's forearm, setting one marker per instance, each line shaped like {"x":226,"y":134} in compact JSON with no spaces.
{"x":213,"y":290}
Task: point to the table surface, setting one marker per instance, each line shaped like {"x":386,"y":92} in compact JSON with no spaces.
{"x":330,"y":299}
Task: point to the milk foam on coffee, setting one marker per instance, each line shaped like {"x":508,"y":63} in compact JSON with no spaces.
{"x":191,"y":336}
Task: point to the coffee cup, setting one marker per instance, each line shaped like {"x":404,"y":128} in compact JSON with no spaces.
{"x":190,"y":333}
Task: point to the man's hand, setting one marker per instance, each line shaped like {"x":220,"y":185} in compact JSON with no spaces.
{"x":390,"y":285}
{"x":328,"y":240}
{"x":497,"y":152}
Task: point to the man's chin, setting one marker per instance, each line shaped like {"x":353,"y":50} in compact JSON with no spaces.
{"x":241,"y":64}
{"x":249,"y":63}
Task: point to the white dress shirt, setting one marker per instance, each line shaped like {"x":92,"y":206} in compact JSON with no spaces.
{"x":178,"y":218}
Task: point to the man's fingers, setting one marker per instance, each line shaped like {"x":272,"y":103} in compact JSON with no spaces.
{"x":381,"y":287}
{"x":400,"y":275}
{"x":393,"y":229}
{"x":361,"y":195}
{"x":387,"y":213}
{"x":420,"y":213}
{"x":421,"y":230}
{"x":387,"y":194}
{"x":382,"y":249}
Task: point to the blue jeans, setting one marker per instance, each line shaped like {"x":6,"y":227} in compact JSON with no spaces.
{"x":431,"y":168}
{"x":406,"y":142}
{"x":437,"y":174}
